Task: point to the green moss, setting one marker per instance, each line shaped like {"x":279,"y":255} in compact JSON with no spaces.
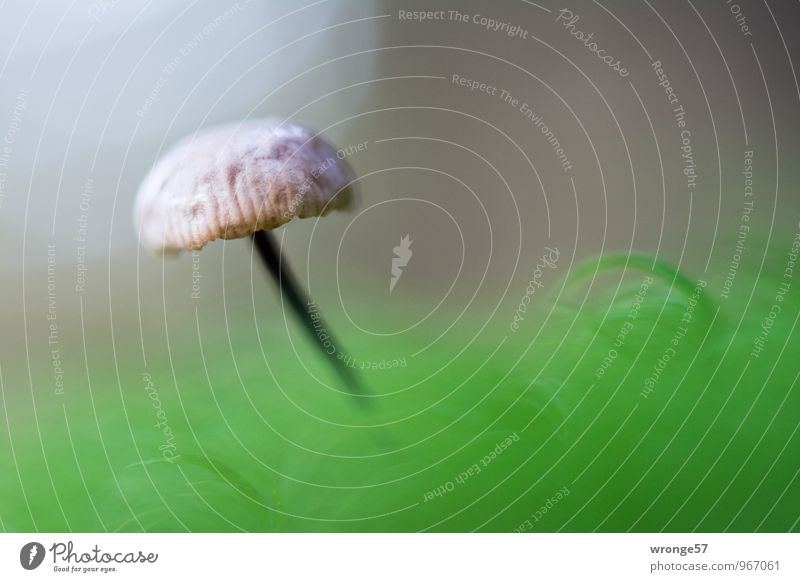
{"x":710,"y":446}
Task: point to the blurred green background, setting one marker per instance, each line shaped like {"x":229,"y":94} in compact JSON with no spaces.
{"x":647,"y":384}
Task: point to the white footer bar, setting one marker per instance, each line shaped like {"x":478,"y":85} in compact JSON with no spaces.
{"x":355,"y":557}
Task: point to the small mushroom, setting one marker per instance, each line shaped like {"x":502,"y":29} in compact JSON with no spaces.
{"x":246,"y":179}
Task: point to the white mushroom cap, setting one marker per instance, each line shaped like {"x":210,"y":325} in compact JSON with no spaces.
{"x":233,"y":180}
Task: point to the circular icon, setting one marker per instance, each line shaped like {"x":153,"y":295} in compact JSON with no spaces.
{"x":31,"y":555}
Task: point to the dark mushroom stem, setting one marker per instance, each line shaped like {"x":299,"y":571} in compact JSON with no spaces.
{"x":278,"y":267}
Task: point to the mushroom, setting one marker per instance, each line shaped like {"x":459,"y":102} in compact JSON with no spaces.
{"x":247,"y":179}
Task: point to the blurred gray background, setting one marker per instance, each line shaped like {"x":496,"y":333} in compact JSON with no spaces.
{"x":93,"y":93}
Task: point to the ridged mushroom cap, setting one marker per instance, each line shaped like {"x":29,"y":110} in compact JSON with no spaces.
{"x":233,"y":180}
